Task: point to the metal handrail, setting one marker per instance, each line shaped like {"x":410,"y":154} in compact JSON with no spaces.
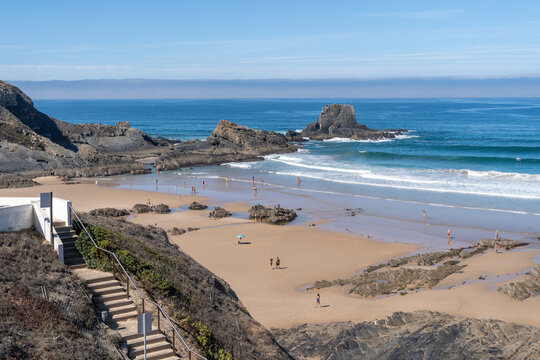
{"x":136,"y":287}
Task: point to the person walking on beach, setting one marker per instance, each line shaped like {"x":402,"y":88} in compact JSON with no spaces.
{"x":425,"y":215}
{"x":253,"y":181}
{"x":449,"y":235}
{"x":210,"y":215}
{"x":271,"y":263}
{"x":318,"y":301}
{"x":496,"y":234}
{"x":298,"y":181}
{"x":278,"y":262}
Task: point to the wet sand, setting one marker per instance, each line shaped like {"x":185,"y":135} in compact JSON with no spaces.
{"x":274,"y":297}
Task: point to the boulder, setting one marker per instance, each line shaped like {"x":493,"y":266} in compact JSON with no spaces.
{"x":196,"y":206}
{"x":272,"y":215}
{"x":177,"y":231}
{"x":340,"y":121}
{"x":141,"y":208}
{"x":109,"y":212}
{"x":162,"y":209}
{"x":219,"y":212}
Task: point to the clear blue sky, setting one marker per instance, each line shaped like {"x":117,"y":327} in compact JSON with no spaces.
{"x":253,"y":39}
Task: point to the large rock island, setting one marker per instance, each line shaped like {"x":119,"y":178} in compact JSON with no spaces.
{"x":228,"y":142}
{"x":340,"y":121}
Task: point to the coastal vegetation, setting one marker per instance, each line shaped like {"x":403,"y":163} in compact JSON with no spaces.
{"x":204,"y":306}
{"x":45,"y":311}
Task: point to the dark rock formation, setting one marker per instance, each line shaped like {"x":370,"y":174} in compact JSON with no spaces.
{"x":196,"y":206}
{"x":522,"y":290}
{"x":109,"y":212}
{"x":340,"y":121}
{"x":417,"y":335}
{"x":272,"y":215}
{"x":141,"y":208}
{"x":500,"y":243}
{"x":293,"y":136}
{"x":229,"y":142}
{"x":219,"y":212}
{"x":162,"y":209}
{"x":31,"y":142}
{"x":177,"y":231}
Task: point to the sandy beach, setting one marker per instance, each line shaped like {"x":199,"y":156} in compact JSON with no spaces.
{"x":275,"y":297}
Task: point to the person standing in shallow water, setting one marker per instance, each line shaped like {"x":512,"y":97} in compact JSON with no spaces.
{"x":271,"y":263}
{"x":278,"y":263}
{"x":318,"y":300}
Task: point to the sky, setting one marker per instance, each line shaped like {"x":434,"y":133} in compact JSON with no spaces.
{"x":73,"y":40}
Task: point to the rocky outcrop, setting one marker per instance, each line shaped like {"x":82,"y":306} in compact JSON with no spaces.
{"x":522,"y":290}
{"x":272,"y":215}
{"x":340,"y":121}
{"x":108,"y":212}
{"x":415,"y":335}
{"x":31,"y":142}
{"x":141,"y":208}
{"x":228,"y":142}
{"x":197,"y":206}
{"x":386,"y":282}
{"x":162,"y":209}
{"x":219,"y":212}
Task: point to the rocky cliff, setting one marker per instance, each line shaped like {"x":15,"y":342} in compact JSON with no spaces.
{"x":34,"y":143}
{"x":340,"y":121}
{"x":416,"y":335}
{"x":228,"y":142}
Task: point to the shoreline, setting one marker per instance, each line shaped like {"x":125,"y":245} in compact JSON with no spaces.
{"x":310,"y":253}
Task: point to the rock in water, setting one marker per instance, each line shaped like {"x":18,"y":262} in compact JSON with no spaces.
{"x":196,"y":206}
{"x":228,"y":142}
{"x":340,"y":121}
{"x":141,"y":208}
{"x":522,"y":290}
{"x":272,"y":215}
{"x":219,"y":212}
{"x":162,"y":209}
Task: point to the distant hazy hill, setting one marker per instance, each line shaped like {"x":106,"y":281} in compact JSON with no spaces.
{"x":316,"y":88}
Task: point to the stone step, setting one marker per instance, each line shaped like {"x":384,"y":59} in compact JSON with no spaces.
{"x":103,"y":284}
{"x":105,"y":298}
{"x":158,"y":355}
{"x":74,"y":261}
{"x":115,"y":289}
{"x":70,"y":251}
{"x":99,"y":279}
{"x":124,"y":317}
{"x":151,"y":338}
{"x":122,"y":309}
{"x":110,"y":305}
{"x":151,"y":348}
{"x":135,"y":336}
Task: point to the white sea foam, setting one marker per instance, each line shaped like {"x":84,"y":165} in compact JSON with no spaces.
{"x":498,"y":174}
{"x":346,"y":140}
{"x":241,"y":165}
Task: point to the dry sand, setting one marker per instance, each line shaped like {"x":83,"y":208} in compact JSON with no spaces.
{"x":307,"y":254}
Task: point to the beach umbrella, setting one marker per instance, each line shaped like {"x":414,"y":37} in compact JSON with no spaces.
{"x":240,"y":236}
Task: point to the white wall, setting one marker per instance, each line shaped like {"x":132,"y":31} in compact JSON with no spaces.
{"x":23,"y":213}
{"x":14,"y":218}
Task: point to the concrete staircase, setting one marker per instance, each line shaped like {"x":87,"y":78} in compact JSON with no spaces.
{"x":109,"y":295}
{"x":72,"y":257}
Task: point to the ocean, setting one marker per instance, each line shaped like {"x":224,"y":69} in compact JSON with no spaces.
{"x":470,"y":155}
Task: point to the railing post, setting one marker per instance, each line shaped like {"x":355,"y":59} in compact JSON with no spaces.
{"x":158,"y":324}
{"x":127,"y":286}
{"x":173,"y":348}
{"x":189,"y":354}
{"x":143,"y":305}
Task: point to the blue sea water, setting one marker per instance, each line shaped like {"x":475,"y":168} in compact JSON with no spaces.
{"x":470,"y":153}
